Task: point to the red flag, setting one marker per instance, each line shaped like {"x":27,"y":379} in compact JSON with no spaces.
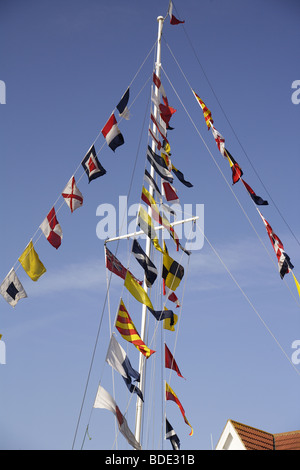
{"x":51,"y":229}
{"x":237,"y":172}
{"x":284,"y":262}
{"x":170,"y":193}
{"x":171,"y":395}
{"x":170,"y":362}
{"x":115,"y":266}
{"x":112,"y":134}
{"x":173,"y":297}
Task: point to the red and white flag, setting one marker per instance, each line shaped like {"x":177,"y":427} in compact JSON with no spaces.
{"x":112,"y":133}
{"x":72,"y":195}
{"x":220,"y":141}
{"x":284,"y":262}
{"x":51,"y":229}
{"x":106,"y":401}
{"x":173,"y":19}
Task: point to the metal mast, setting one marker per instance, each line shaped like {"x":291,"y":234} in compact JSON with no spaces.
{"x":142,"y":361}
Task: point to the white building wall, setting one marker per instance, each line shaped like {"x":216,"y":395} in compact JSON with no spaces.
{"x":229,"y":439}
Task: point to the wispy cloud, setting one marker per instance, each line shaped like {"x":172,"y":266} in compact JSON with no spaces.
{"x":247,"y":260}
{"x":87,"y":275}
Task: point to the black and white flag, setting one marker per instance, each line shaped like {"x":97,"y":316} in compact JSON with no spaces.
{"x":171,"y":434}
{"x":145,"y":262}
{"x":11,"y":288}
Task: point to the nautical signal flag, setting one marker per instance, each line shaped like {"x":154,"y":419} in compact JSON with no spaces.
{"x":180,"y":176}
{"x":237,"y":172}
{"x":148,"y":178}
{"x":171,"y":395}
{"x":31,"y":262}
{"x":105,"y":400}
{"x":122,"y":106}
{"x":11,"y":288}
{"x":137,"y":290}
{"x":161,"y":127}
{"x":206,"y":111}
{"x":170,"y":362}
{"x":173,"y":297}
{"x":297,"y":283}
{"x":172,"y":436}
{"x":112,"y":134}
{"x":172,"y":272}
{"x":72,"y":195}
{"x":115,"y":266}
{"x":118,"y":360}
{"x":159,"y":85}
{"x":92,"y":166}
{"x":163,"y":315}
{"x":127,"y":330}
{"x":170,"y":193}
{"x":173,"y":19}
{"x":169,"y":323}
{"x":51,"y":229}
{"x":145,"y":262}
{"x":161,"y":219}
{"x":165,"y":111}
{"x":220,"y":141}
{"x":145,"y":223}
{"x":159,"y":165}
{"x":257,"y":199}
{"x":284,"y":262}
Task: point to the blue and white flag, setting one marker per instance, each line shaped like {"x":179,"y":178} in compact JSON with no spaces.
{"x":122,"y":106}
{"x":118,"y":360}
{"x":171,"y":434}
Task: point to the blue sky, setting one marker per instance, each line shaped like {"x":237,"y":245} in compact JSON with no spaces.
{"x":65,"y":66}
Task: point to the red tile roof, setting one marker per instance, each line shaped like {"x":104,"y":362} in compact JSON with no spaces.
{"x":252,"y":438}
{"x":287,"y":441}
{"x":256,"y":439}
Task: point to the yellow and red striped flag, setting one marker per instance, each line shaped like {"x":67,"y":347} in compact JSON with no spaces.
{"x":127,"y":330}
{"x":171,"y":395}
{"x":206,"y":111}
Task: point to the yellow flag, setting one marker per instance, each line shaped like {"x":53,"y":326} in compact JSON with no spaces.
{"x":31,"y":263}
{"x":137,"y":290}
{"x":167,"y":322}
{"x":297,"y":283}
{"x":206,"y":111}
{"x":171,"y":395}
{"x":146,"y":224}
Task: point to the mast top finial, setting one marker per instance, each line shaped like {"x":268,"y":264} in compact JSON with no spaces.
{"x":159,"y":18}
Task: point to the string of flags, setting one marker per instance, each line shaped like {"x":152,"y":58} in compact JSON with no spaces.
{"x":172,"y":272}
{"x":11,"y":287}
{"x":284,"y":263}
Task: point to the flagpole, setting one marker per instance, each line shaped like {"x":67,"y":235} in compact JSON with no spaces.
{"x":142,"y":361}
{"x":157,"y":228}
